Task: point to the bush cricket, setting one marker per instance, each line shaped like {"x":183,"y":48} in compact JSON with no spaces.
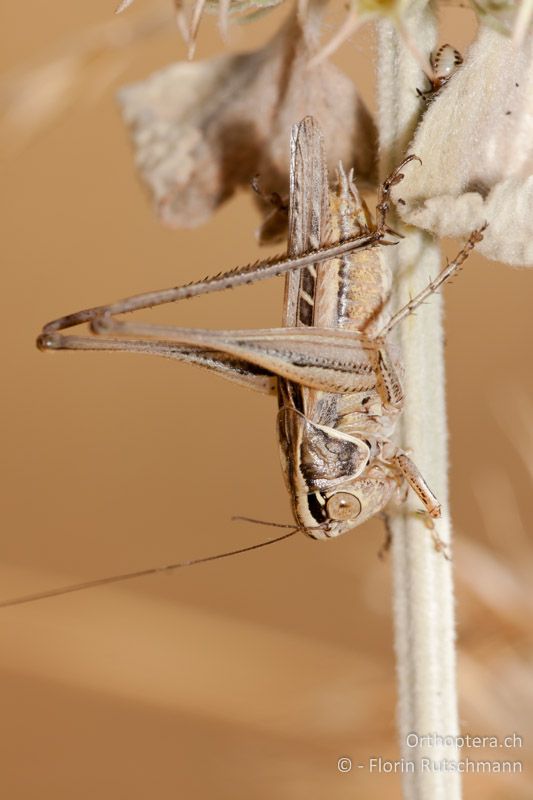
{"x":336,"y":377}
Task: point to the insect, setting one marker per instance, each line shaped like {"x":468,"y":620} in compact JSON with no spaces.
{"x":444,"y":63}
{"x":336,"y":377}
{"x":340,"y":463}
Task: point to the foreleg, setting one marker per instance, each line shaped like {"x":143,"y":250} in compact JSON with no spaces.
{"x":416,"y":481}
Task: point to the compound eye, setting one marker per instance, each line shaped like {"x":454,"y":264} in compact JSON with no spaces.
{"x":343,"y":506}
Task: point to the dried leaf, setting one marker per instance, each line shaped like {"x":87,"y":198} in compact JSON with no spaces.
{"x":476,"y":145}
{"x":202,"y":130}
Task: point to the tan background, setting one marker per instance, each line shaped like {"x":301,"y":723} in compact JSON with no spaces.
{"x":248,"y":677}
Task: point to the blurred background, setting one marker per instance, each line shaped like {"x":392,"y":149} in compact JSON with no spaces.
{"x":248,"y":677}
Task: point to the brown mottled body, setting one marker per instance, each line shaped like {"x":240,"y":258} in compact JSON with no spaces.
{"x":336,"y":377}
{"x":322,"y":433}
{"x":340,"y":463}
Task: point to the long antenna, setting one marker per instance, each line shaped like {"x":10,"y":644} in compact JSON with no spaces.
{"x":142,"y":573}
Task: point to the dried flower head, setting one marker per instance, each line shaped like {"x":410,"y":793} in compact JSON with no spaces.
{"x":189,"y":15}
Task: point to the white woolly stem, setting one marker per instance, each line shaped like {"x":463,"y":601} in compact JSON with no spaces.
{"x":423,"y":588}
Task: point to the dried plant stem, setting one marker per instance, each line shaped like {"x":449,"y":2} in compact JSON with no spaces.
{"x":423,"y":589}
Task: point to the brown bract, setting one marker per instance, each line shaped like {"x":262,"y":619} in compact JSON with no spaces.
{"x":476,"y":146}
{"x":201,"y":130}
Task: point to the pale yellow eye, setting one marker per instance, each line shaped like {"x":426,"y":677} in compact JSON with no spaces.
{"x":343,"y":506}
